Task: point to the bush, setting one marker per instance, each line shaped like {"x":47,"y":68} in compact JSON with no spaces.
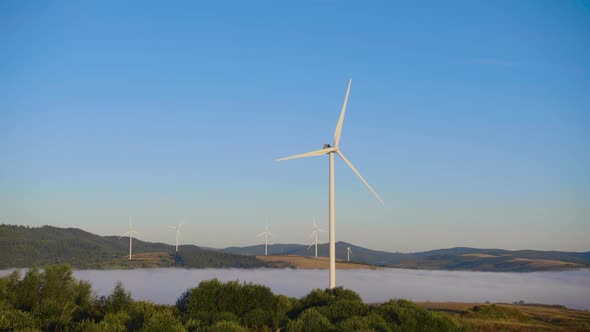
{"x":408,"y":316}
{"x":311,"y":320}
{"x":119,"y":299}
{"x":14,"y":319}
{"x":226,"y":326}
{"x":318,"y":298}
{"x":216,"y":297}
{"x":162,"y":321}
{"x":53,"y":315}
{"x":343,"y":309}
{"x":373,"y":322}
{"x":257,"y":318}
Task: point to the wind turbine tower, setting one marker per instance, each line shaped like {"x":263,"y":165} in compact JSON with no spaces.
{"x":130,"y":233}
{"x":330,"y":151}
{"x":266,"y":234}
{"x":348,"y":252}
{"x":315,"y":234}
{"x":177,"y":228}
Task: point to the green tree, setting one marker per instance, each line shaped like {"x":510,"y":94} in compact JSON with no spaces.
{"x":311,"y":320}
{"x":119,"y":300}
{"x":162,"y":321}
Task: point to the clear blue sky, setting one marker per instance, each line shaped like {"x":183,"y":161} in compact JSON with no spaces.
{"x":471,"y":120}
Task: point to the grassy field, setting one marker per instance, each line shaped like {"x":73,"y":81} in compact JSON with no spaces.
{"x":306,"y":262}
{"x":513,"y":317}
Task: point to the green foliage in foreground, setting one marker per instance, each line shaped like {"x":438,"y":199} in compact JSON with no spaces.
{"x":52,"y":300}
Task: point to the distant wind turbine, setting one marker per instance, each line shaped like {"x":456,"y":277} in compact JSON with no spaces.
{"x":330,"y":151}
{"x":348,"y":252}
{"x":266,"y":233}
{"x":315,"y":234}
{"x":177,"y":228}
{"x":130,"y":233}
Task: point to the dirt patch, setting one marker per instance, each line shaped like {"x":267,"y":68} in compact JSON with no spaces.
{"x":542,"y":262}
{"x":480,"y":255}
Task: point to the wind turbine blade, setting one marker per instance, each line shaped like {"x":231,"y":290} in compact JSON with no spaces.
{"x":309,"y":154}
{"x":124,"y":235}
{"x":138,"y":233}
{"x":310,"y":245}
{"x":321,"y":230}
{"x":260,"y":234}
{"x":341,"y":119}
{"x":359,"y":175}
{"x":172,"y":227}
{"x":312,"y":234}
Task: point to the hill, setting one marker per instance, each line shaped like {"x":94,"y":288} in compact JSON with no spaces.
{"x":460,"y":258}
{"x":22,"y":246}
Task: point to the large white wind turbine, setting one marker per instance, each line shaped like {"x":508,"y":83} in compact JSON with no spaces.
{"x":177,"y":228}
{"x":330,"y":151}
{"x":130,"y":233}
{"x":314,"y":234}
{"x":266,"y":233}
{"x":348,"y":252}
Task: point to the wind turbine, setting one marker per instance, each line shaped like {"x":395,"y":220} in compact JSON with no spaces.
{"x":330,"y":151}
{"x":130,"y":233}
{"x":315,"y":234}
{"x":348,"y":252}
{"x":177,"y":228}
{"x":266,"y":233}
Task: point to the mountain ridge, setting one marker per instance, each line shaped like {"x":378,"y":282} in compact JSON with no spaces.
{"x":24,"y":246}
{"x":456,"y":258}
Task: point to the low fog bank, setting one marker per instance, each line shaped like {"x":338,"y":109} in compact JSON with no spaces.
{"x":569,"y":288}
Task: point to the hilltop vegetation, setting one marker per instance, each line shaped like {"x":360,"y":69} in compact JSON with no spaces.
{"x":53,"y":300}
{"x":22,"y":246}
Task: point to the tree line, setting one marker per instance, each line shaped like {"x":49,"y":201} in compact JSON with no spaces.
{"x":53,"y":300}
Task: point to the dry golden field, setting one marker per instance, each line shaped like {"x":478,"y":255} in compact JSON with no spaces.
{"x":305,"y":262}
{"x":513,"y":317}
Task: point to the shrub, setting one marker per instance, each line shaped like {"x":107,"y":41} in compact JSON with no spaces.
{"x":318,"y":298}
{"x":343,"y":309}
{"x":497,"y":312}
{"x":53,"y":315}
{"x":257,"y":318}
{"x":214,"y":297}
{"x":372,"y":322}
{"x":226,"y":326}
{"x":119,"y":299}
{"x":311,"y":320}
{"x":14,"y":319}
{"x":408,"y":316}
{"x":162,"y":321}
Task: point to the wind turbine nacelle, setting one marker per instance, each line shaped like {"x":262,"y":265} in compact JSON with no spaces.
{"x":327,"y":146}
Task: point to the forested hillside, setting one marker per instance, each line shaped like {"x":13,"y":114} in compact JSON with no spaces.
{"x":22,"y":246}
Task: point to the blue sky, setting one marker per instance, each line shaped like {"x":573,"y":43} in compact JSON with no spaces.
{"x":470,"y":119}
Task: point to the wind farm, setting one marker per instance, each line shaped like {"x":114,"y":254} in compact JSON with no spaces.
{"x":447,"y":190}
